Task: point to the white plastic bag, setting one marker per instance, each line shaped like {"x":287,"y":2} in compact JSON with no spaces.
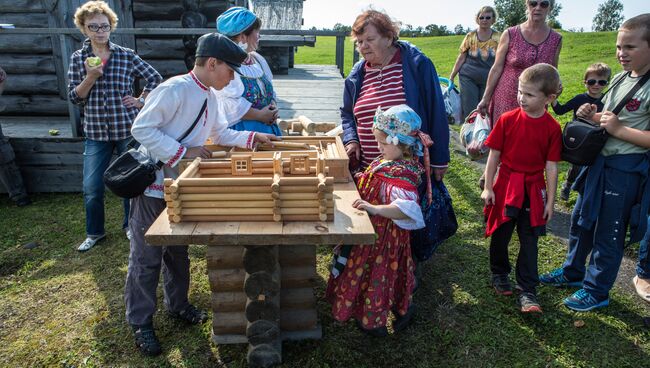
{"x":451,"y":97}
{"x":474,"y":133}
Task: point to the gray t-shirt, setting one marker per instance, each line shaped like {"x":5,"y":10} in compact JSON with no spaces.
{"x":635,"y":114}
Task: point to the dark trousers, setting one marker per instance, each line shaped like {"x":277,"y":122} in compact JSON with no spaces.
{"x":526,"y":268}
{"x":10,"y":176}
{"x":572,"y":174}
{"x":145,"y":263}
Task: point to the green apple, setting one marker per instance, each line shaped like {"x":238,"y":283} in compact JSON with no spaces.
{"x":54,"y":132}
{"x":94,"y":61}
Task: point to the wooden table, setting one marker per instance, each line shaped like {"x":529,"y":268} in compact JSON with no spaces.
{"x":262,"y":274}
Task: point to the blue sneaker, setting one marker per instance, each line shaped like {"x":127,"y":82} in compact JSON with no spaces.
{"x":556,"y":278}
{"x":582,"y":301}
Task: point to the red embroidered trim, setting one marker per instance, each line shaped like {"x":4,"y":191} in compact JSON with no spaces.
{"x":249,"y":142}
{"x":177,"y":156}
{"x":198,"y":81}
{"x":156,"y":187}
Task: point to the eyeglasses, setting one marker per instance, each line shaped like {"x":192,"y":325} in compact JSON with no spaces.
{"x":542,"y":4}
{"x":487,"y":18}
{"x":97,"y":27}
{"x":591,"y":82}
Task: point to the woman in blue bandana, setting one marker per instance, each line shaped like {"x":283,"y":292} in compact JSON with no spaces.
{"x":250,"y":99}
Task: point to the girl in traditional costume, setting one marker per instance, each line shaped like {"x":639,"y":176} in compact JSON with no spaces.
{"x":369,"y":281}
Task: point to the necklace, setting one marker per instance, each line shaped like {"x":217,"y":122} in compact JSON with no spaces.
{"x":384,"y":64}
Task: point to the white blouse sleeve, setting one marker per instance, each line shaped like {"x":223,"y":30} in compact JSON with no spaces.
{"x":407,"y":202}
{"x":231,"y":103}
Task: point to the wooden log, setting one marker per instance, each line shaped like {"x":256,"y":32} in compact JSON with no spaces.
{"x":227,"y":164}
{"x":302,"y":196}
{"x":230,"y":197}
{"x":175,"y":218}
{"x":307,"y":124}
{"x":298,"y":319}
{"x":229,"y":301}
{"x":262,"y":332}
{"x":230,"y":218}
{"x":200,"y":182}
{"x":25,"y":44}
{"x":189,"y":172}
{"x":224,"y":256}
{"x":264,"y":355}
{"x":21,"y":6}
{"x":322,"y":127}
{"x":226,"y":279}
{"x":258,"y":259}
{"x":282,"y":145}
{"x":218,"y":154}
{"x":224,"y":189}
{"x":260,"y":284}
{"x":299,"y":277}
{"x":299,"y":298}
{"x":27,"y":64}
{"x":50,"y":105}
{"x":297,"y":255}
{"x":268,"y":203}
{"x":229,"y":322}
{"x":253,"y":218}
{"x":228,"y":211}
{"x":262,"y":309}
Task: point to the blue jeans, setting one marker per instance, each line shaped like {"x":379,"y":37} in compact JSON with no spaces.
{"x":97,"y":157}
{"x":643,"y":265}
{"x":606,"y":239}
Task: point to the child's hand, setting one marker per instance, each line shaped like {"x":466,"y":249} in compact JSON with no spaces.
{"x":548,"y":211}
{"x":487,"y":196}
{"x":360,"y":204}
{"x":610,"y":122}
{"x":587,"y":111}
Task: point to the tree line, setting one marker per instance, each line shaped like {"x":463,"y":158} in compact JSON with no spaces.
{"x":609,"y":17}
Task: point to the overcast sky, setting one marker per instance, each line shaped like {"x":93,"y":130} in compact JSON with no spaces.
{"x":326,"y":13}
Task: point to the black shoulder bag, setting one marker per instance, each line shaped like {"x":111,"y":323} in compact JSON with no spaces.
{"x":582,"y":141}
{"x":133,"y":171}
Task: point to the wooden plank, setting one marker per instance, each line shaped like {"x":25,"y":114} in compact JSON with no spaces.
{"x":229,"y":339}
{"x":60,"y":48}
{"x":25,"y":44}
{"x":228,"y":301}
{"x":260,"y":233}
{"x":297,"y":298}
{"x":33,"y":84}
{"x":224,"y":256}
{"x":204,"y":232}
{"x":231,"y":279}
{"x":29,"y":127}
{"x":33,"y":105}
{"x":38,"y":180}
{"x":299,"y":277}
{"x":44,"y":145}
{"x":154,"y":48}
{"x":25,"y":20}
{"x":314,"y":334}
{"x":124,"y":13}
{"x":26,"y":64}
{"x":20,"y":6}
{"x":162,"y":232}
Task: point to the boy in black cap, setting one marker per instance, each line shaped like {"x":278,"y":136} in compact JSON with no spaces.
{"x":170,"y":110}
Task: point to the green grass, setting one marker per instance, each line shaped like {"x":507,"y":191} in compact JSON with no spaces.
{"x":65,"y":309}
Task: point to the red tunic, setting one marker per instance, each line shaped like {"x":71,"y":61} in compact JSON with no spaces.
{"x":526,"y":144}
{"x":380,"y":277}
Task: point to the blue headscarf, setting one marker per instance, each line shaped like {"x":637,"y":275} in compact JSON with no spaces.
{"x":400,"y":123}
{"x":235,"y":21}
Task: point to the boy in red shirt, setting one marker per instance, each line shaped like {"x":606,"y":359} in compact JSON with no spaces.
{"x":527,"y":142}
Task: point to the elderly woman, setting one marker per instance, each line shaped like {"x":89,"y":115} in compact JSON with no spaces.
{"x":476,"y":57}
{"x":521,"y":46}
{"x":391,"y":73}
{"x":251,"y":105}
{"x":104,"y":87}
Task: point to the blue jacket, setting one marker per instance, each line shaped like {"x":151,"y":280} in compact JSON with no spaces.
{"x":590,"y":184}
{"x":423,"y":94}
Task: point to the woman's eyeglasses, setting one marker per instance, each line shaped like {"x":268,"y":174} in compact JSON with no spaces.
{"x":601,"y":82}
{"x":97,"y":27}
{"x":542,"y":4}
{"x":486,"y":18}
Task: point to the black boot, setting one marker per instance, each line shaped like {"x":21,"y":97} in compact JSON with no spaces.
{"x":146,"y":340}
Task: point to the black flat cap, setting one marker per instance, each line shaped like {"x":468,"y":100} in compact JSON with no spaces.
{"x":221,"y":47}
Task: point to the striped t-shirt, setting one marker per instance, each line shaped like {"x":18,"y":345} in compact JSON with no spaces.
{"x":381,"y":87}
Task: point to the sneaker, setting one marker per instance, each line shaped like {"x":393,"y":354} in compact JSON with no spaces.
{"x":528,"y":303}
{"x":190,"y":315}
{"x":565,"y":192}
{"x":374,"y":332}
{"x":501,"y":284}
{"x":582,"y":301}
{"x":642,"y":287}
{"x":25,"y":201}
{"x":556,"y":278}
{"x":146,"y":340}
{"x":128,"y":233}
{"x":402,"y":322}
{"x":90,"y":242}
